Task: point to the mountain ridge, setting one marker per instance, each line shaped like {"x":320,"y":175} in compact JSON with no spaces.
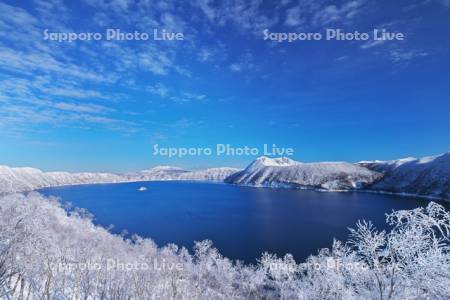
{"x":22,"y":179}
{"x":426,"y":177}
{"x":321,"y":175}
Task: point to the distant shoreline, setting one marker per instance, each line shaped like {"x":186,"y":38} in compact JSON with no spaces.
{"x":279,"y":187}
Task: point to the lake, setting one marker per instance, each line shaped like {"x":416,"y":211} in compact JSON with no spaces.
{"x":242,"y":222}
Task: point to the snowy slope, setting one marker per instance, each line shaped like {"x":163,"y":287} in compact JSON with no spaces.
{"x":157,"y":174}
{"x":428,"y":176}
{"x":286,"y":172}
{"x":27,"y":179}
{"x":212,"y":174}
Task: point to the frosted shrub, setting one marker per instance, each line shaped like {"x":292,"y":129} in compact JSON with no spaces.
{"x":47,"y":252}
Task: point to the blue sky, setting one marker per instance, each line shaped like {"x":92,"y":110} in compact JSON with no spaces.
{"x":103,"y":105}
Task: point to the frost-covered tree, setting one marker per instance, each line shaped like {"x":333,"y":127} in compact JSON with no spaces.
{"x":412,"y":261}
{"x":50,"y":252}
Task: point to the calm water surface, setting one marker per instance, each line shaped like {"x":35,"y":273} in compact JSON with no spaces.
{"x":242,"y":222}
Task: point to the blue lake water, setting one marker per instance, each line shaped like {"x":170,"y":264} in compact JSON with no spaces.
{"x":242,"y":222}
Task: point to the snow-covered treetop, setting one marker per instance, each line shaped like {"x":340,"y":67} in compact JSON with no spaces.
{"x":40,"y":260}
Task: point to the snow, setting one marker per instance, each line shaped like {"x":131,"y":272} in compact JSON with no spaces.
{"x":212,"y":174}
{"x":47,"y":252}
{"x":287,"y":172}
{"x":275,"y":162}
{"x":172,"y":173}
{"x":27,"y":179}
{"x":428,"y":176}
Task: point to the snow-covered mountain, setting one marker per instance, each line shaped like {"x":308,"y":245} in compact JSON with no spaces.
{"x":157,"y":173}
{"x":212,"y":174}
{"x":277,"y":172}
{"x":172,"y":173}
{"x":27,"y":179}
{"x":428,"y":176}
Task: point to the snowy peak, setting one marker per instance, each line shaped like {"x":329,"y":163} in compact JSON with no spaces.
{"x":265,"y":161}
{"x":445,"y":157}
{"x":276,"y":162}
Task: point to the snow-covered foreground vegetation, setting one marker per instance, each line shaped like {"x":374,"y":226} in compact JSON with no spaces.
{"x":47,"y":252}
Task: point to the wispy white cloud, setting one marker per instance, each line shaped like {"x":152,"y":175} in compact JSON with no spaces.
{"x":309,"y":14}
{"x":159,"y":89}
{"x":148,"y":58}
{"x":12,"y":15}
{"x":44,"y":81}
{"x":27,"y":62}
{"x":182,"y":124}
{"x":400,"y":55}
{"x":333,"y":13}
{"x":212,"y":53}
{"x":25,"y":102}
{"x":71,"y":92}
{"x":53,"y":11}
{"x":120,"y":6}
{"x":188,"y":97}
{"x":294,"y":17}
{"x":164,"y":92}
{"x":51,"y":84}
{"x":236,"y":67}
{"x":82,"y":108}
{"x":372,"y":43}
{"x":64,"y":115}
{"x":247,"y":16}
{"x":244,"y":63}
{"x":205,"y":55}
{"x":301,"y":13}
